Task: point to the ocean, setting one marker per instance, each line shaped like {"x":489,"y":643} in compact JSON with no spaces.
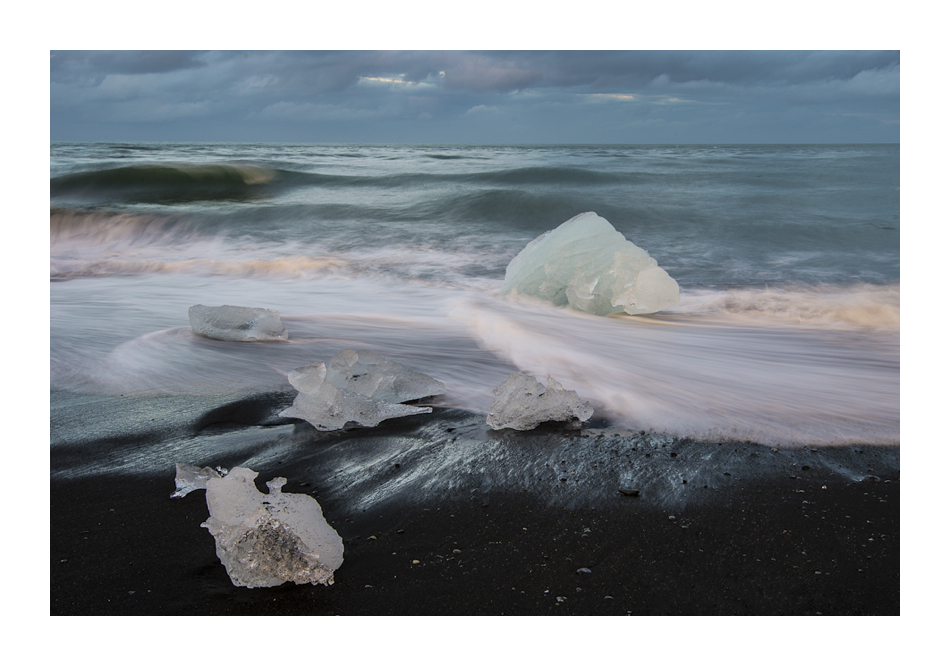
{"x":787,"y":258}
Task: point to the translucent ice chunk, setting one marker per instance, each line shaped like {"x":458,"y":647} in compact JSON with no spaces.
{"x":266,"y":540}
{"x":522,"y":403}
{"x":587,"y":264}
{"x":191,"y":477}
{"x":327,"y":407}
{"x":368,"y":374}
{"x":235,"y":323}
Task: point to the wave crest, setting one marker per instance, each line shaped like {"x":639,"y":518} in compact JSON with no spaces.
{"x":160,"y":182}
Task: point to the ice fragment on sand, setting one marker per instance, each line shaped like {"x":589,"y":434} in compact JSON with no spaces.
{"x":522,"y":403}
{"x":266,"y":540}
{"x":191,"y":477}
{"x":327,"y":407}
{"x":368,"y":374}
{"x":235,"y":323}
{"x":587,"y":264}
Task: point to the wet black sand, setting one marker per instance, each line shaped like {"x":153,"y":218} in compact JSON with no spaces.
{"x":441,"y":517}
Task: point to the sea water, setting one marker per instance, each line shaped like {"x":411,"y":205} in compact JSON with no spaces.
{"x":787,"y":258}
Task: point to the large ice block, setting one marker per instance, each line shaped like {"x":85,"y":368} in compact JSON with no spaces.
{"x":237,"y":324}
{"x":587,"y":264}
{"x":267,"y":540}
{"x":368,"y":374}
{"x":327,"y":407}
{"x":523,"y":403}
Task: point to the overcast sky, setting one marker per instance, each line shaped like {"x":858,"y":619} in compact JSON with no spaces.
{"x":476,"y":97}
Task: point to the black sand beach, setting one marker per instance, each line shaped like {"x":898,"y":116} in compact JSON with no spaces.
{"x":441,"y":516}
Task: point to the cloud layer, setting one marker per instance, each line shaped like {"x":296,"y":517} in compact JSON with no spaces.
{"x":476,"y":97}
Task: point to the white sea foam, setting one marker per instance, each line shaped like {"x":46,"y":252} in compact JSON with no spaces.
{"x":851,"y":306}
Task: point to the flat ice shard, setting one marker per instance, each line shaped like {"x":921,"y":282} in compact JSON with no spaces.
{"x":587,"y":264}
{"x":267,"y":540}
{"x":236,"y":324}
{"x":522,"y":403}
{"x":327,"y":407}
{"x":191,"y":477}
{"x":368,"y":374}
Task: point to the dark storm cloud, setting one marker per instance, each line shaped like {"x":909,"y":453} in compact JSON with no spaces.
{"x":504,"y":96}
{"x":66,"y":65}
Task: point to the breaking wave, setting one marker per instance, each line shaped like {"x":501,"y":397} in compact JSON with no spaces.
{"x":166,"y":182}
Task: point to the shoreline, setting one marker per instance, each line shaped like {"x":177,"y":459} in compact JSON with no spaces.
{"x":747,"y":533}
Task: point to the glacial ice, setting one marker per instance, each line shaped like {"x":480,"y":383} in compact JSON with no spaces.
{"x":348,"y":391}
{"x":191,"y":477}
{"x":266,"y":540}
{"x":523,"y":403}
{"x":369,"y":374}
{"x":587,"y":264}
{"x":237,"y":324}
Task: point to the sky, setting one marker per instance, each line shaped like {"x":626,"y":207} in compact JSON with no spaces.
{"x":476,"y":97}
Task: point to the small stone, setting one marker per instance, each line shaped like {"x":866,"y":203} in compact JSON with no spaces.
{"x":562,"y":599}
{"x":583,"y":570}
{"x":672,"y":517}
{"x":370,"y":537}
{"x":631,"y":492}
{"x":415,"y":561}
{"x":456,"y":551}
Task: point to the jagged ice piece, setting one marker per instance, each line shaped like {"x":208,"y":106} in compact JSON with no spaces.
{"x":587,"y":264}
{"x":236,"y":324}
{"x":523,"y":403}
{"x":192,"y":477}
{"x":368,"y":374}
{"x":267,"y":540}
{"x":326,"y":407}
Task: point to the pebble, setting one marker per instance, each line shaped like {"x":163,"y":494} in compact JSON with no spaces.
{"x":415,"y":561}
{"x":672,"y":517}
{"x":583,"y":570}
{"x":562,"y":599}
{"x":456,"y":551}
{"x":632,"y":492}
